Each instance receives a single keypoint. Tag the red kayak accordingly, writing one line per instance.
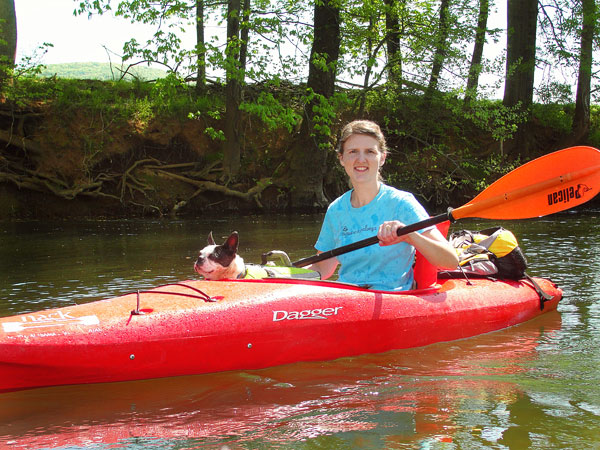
(210, 326)
(199, 327)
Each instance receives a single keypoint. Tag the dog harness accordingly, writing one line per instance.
(257, 272)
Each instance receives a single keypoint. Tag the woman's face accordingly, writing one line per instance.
(361, 158)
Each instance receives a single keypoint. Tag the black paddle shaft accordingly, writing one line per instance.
(373, 240)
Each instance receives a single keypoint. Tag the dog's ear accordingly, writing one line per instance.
(211, 241)
(232, 242)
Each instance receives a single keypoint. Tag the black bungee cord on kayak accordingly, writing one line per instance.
(199, 295)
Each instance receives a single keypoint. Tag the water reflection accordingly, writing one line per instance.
(439, 391)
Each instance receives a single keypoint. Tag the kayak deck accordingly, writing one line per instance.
(210, 326)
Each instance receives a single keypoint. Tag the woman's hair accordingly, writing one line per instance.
(361, 127)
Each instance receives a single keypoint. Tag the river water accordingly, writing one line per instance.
(534, 385)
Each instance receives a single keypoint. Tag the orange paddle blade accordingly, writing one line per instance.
(546, 185)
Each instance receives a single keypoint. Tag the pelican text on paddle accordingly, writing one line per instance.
(307, 314)
(566, 194)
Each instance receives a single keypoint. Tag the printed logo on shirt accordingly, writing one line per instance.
(347, 232)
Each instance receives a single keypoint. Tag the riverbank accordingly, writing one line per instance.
(107, 149)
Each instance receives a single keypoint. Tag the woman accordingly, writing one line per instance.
(373, 207)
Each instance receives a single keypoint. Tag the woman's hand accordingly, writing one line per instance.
(388, 233)
(432, 245)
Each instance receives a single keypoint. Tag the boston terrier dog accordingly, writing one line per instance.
(218, 262)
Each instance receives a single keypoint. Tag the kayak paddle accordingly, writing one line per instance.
(546, 185)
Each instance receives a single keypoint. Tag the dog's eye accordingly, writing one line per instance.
(217, 253)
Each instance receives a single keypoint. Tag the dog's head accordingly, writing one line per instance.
(217, 262)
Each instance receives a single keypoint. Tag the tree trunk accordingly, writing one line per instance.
(370, 55)
(326, 44)
(244, 36)
(200, 48)
(392, 37)
(309, 151)
(581, 119)
(520, 65)
(440, 49)
(475, 67)
(231, 150)
(8, 39)
(520, 53)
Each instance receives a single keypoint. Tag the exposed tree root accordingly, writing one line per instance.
(21, 142)
(253, 194)
(126, 187)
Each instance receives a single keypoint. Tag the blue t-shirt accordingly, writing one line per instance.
(384, 268)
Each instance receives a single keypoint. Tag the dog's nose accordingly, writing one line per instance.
(199, 261)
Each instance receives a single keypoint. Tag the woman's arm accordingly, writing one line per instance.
(326, 267)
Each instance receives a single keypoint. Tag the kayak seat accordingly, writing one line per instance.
(425, 273)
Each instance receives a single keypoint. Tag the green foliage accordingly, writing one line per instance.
(556, 116)
(495, 118)
(166, 92)
(324, 113)
(215, 135)
(594, 138)
(271, 111)
(487, 171)
(280, 39)
(443, 176)
(142, 110)
(24, 88)
(271, 25)
(555, 92)
(120, 101)
(206, 111)
(135, 100)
